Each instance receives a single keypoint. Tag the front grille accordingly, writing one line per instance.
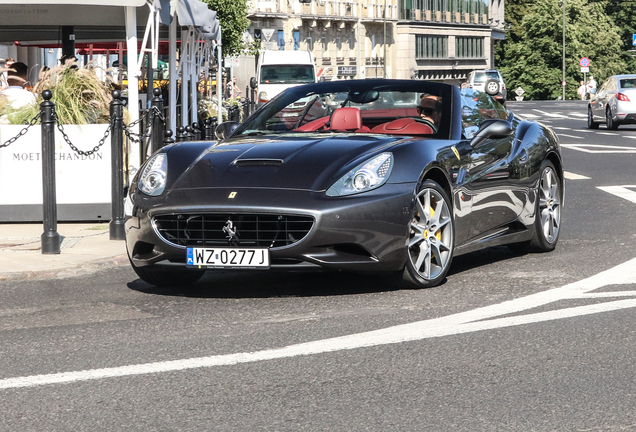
(257, 230)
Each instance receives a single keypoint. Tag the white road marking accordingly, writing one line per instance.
(608, 133)
(578, 114)
(555, 115)
(630, 136)
(571, 176)
(562, 128)
(570, 136)
(464, 322)
(595, 148)
(621, 191)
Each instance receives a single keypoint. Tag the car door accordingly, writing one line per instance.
(602, 96)
(487, 179)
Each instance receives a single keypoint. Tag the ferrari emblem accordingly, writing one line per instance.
(232, 195)
(232, 233)
(456, 152)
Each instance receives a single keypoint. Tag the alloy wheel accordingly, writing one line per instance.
(550, 205)
(431, 235)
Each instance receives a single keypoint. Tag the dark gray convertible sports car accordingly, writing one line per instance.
(385, 176)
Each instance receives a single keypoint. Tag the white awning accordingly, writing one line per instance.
(77, 2)
(191, 13)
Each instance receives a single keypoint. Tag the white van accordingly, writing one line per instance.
(278, 70)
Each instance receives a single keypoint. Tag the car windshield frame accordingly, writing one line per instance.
(351, 93)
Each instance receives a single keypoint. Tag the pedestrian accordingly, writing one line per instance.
(236, 91)
(581, 91)
(17, 95)
(591, 85)
(3, 75)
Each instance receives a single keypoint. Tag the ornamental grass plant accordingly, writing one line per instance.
(80, 96)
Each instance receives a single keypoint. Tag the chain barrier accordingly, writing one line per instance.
(33, 121)
(150, 114)
(132, 136)
(75, 149)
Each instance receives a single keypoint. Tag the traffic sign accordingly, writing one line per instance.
(585, 69)
(519, 91)
(584, 62)
(634, 39)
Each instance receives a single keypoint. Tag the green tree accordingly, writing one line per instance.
(534, 61)
(232, 16)
(623, 12)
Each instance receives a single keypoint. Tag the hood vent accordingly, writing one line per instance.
(258, 162)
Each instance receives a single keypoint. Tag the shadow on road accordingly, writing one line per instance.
(254, 284)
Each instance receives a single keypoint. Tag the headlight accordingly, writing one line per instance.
(365, 177)
(153, 178)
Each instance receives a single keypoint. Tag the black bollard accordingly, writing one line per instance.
(50, 237)
(167, 138)
(202, 128)
(196, 131)
(189, 133)
(158, 125)
(246, 103)
(209, 131)
(117, 223)
(252, 100)
(181, 134)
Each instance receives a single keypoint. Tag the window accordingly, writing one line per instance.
(281, 40)
(469, 47)
(431, 46)
(296, 36)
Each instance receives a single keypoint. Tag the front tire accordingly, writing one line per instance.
(162, 277)
(547, 224)
(591, 124)
(431, 238)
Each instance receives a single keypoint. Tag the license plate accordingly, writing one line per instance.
(230, 257)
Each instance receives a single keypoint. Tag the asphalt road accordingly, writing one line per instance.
(541, 342)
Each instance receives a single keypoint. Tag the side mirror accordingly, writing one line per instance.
(225, 130)
(492, 129)
(253, 83)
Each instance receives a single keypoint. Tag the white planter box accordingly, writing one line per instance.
(80, 180)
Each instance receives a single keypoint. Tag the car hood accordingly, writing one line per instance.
(299, 162)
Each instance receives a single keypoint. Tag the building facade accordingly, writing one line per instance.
(439, 40)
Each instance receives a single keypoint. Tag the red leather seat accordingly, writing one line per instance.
(403, 126)
(347, 119)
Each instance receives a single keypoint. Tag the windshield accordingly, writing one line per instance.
(287, 74)
(352, 106)
(482, 77)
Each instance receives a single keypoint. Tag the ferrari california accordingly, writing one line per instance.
(388, 176)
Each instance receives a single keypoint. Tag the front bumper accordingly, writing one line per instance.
(365, 232)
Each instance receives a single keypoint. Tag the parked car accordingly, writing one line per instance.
(489, 81)
(614, 103)
(363, 185)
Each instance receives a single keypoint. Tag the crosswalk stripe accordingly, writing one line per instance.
(621, 191)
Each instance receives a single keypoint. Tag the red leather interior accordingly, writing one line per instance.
(403, 126)
(313, 125)
(346, 119)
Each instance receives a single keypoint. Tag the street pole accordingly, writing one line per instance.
(563, 81)
(384, 38)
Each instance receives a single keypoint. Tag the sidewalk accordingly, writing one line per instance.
(85, 248)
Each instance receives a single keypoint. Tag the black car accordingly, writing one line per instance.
(347, 175)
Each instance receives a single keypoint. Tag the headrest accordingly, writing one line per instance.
(346, 119)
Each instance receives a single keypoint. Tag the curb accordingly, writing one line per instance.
(62, 273)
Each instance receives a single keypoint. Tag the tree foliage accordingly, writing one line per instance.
(532, 57)
(232, 15)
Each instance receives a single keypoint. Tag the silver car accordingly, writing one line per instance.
(614, 103)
